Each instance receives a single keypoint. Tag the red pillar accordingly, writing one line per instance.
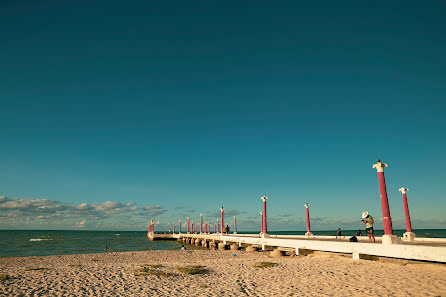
(218, 226)
(387, 220)
(205, 227)
(265, 229)
(173, 227)
(403, 190)
(221, 217)
(188, 223)
(179, 226)
(192, 226)
(308, 217)
(214, 228)
(201, 223)
(235, 225)
(261, 222)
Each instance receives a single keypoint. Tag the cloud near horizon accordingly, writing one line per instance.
(36, 212)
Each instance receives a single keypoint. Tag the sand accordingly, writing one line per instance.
(113, 274)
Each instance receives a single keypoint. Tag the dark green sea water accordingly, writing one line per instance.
(17, 243)
(44, 243)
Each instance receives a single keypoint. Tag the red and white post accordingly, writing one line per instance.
(307, 212)
(388, 237)
(409, 235)
(235, 225)
(179, 226)
(265, 229)
(261, 222)
(221, 217)
(201, 223)
(188, 223)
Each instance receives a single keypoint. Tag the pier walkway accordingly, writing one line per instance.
(425, 249)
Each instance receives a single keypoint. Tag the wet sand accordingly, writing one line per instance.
(121, 274)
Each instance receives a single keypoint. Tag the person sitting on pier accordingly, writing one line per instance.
(368, 221)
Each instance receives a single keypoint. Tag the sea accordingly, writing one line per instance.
(21, 243)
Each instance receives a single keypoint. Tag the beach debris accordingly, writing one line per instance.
(162, 273)
(155, 273)
(192, 269)
(265, 264)
(152, 266)
(35, 268)
(152, 269)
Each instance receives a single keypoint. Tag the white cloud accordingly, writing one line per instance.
(107, 205)
(83, 207)
(34, 213)
(81, 223)
(148, 207)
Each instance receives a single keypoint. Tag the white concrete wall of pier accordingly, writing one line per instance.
(403, 251)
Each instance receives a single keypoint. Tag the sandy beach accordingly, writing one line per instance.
(155, 273)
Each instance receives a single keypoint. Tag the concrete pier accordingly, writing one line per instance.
(389, 245)
(425, 249)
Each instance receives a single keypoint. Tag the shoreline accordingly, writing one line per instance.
(119, 273)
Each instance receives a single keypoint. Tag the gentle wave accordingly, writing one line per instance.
(39, 239)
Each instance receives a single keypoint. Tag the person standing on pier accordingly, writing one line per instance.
(368, 221)
(227, 229)
(339, 233)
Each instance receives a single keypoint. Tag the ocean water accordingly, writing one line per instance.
(44, 243)
(19, 243)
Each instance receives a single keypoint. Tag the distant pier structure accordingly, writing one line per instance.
(407, 247)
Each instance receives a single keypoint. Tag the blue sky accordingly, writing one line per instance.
(115, 113)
